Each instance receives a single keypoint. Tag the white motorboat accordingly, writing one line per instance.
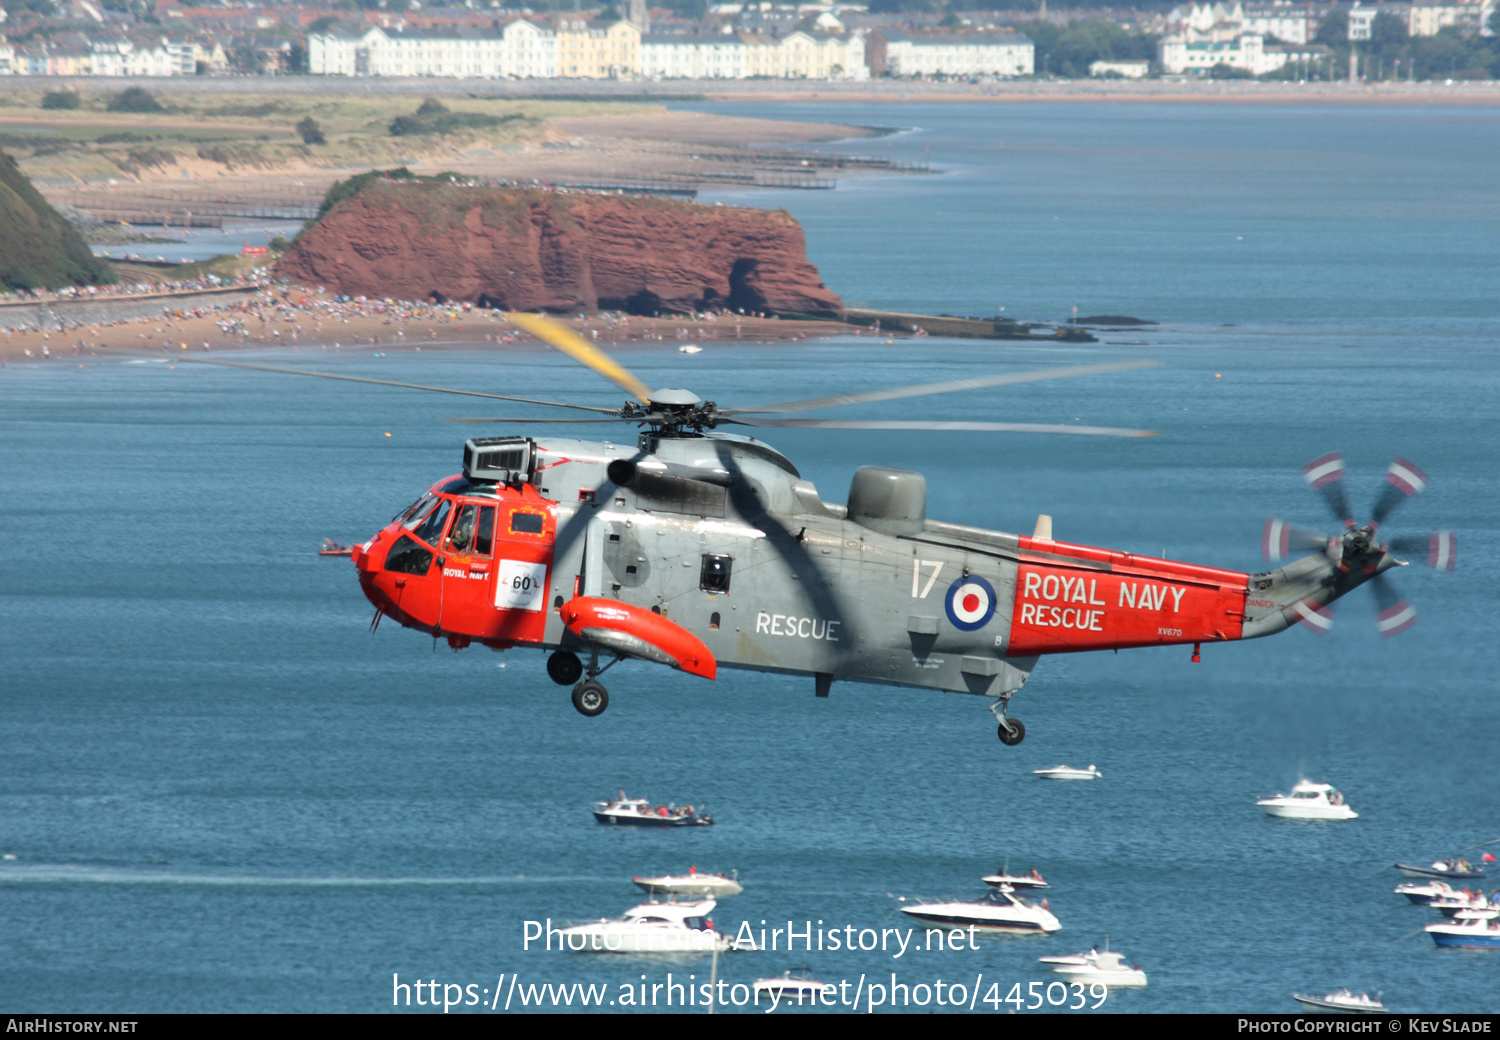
(690, 348)
(638, 812)
(1424, 892)
(1473, 933)
(1019, 882)
(691, 884)
(998, 910)
(651, 928)
(1345, 1001)
(1309, 801)
(1465, 903)
(1068, 773)
(1107, 968)
(789, 986)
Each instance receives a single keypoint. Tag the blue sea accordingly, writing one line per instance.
(222, 793)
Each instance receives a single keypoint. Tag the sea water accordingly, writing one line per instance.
(224, 793)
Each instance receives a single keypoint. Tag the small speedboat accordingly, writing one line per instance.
(998, 910)
(1068, 773)
(1449, 869)
(691, 884)
(638, 812)
(1473, 933)
(690, 348)
(1346, 1001)
(1309, 801)
(332, 548)
(1462, 901)
(1019, 882)
(789, 986)
(1424, 892)
(651, 928)
(1093, 968)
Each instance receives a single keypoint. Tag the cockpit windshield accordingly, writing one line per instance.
(414, 510)
(430, 527)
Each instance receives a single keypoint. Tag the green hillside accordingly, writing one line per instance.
(38, 248)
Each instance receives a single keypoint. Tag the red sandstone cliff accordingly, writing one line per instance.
(540, 250)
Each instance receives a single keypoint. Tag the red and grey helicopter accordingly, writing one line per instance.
(695, 548)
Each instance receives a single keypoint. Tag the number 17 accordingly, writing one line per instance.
(916, 577)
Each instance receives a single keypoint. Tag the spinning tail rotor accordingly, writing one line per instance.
(1356, 545)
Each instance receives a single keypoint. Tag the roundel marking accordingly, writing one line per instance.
(970, 603)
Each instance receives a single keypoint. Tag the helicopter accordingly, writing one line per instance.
(697, 548)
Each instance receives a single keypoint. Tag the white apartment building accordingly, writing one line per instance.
(522, 50)
(1291, 23)
(976, 55)
(1247, 52)
(1430, 16)
(724, 56)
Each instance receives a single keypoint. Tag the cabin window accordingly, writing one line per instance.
(407, 557)
(713, 620)
(526, 523)
(414, 510)
(431, 527)
(715, 575)
(461, 538)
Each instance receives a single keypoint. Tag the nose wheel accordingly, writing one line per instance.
(1012, 731)
(590, 698)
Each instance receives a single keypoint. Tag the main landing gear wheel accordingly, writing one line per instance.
(1012, 731)
(564, 668)
(590, 698)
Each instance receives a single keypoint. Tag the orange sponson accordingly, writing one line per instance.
(1076, 597)
(611, 616)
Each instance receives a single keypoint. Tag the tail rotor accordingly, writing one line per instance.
(1282, 539)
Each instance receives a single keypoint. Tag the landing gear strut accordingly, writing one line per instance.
(590, 698)
(1012, 731)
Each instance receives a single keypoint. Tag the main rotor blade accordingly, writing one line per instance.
(1402, 481)
(956, 427)
(1396, 615)
(391, 382)
(924, 389)
(1441, 548)
(1281, 537)
(535, 420)
(1326, 474)
(556, 334)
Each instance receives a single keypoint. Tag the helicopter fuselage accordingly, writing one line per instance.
(722, 539)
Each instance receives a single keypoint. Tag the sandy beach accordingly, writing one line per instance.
(300, 322)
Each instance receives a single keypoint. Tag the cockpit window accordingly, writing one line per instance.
(431, 526)
(461, 538)
(414, 510)
(484, 534)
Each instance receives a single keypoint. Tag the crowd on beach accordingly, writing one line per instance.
(284, 314)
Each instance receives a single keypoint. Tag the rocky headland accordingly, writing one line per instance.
(533, 249)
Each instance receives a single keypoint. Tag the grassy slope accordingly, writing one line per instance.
(38, 248)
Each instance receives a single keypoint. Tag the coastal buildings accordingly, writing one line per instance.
(717, 56)
(521, 50)
(973, 54)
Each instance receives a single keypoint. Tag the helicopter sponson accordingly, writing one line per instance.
(701, 550)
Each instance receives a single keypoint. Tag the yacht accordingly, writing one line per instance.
(1309, 801)
(638, 812)
(1345, 1001)
(1068, 773)
(998, 910)
(1449, 869)
(789, 986)
(651, 928)
(1475, 933)
(1425, 892)
(691, 884)
(1094, 968)
(1019, 882)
